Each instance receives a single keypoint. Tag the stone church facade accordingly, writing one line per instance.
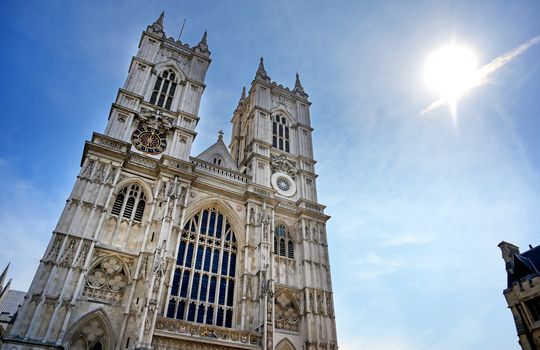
(158, 249)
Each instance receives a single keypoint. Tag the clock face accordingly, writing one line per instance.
(149, 140)
(283, 184)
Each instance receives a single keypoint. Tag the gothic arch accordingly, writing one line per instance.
(285, 344)
(89, 331)
(207, 202)
(204, 286)
(174, 66)
(281, 110)
(144, 186)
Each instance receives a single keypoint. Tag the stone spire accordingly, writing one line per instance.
(243, 96)
(157, 26)
(202, 46)
(5, 290)
(298, 89)
(261, 72)
(204, 37)
(3, 276)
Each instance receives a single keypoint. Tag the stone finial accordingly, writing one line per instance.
(298, 89)
(243, 96)
(204, 37)
(261, 72)
(202, 46)
(220, 135)
(157, 26)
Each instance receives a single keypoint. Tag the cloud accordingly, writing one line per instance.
(27, 219)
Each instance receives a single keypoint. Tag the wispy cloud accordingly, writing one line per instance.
(27, 219)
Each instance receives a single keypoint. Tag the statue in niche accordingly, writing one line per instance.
(252, 216)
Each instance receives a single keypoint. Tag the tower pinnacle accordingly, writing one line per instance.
(298, 89)
(243, 96)
(3, 276)
(261, 72)
(202, 46)
(157, 26)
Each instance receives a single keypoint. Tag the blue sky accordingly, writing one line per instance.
(418, 203)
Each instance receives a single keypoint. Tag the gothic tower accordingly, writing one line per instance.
(158, 249)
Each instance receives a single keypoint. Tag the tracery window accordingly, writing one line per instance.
(164, 89)
(280, 133)
(203, 285)
(107, 280)
(130, 203)
(283, 243)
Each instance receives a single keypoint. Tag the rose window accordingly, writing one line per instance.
(283, 184)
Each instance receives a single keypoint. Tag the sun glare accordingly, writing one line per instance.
(451, 71)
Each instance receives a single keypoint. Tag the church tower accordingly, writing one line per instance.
(159, 249)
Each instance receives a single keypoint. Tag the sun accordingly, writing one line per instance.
(450, 72)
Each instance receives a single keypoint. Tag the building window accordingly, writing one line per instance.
(217, 160)
(534, 308)
(280, 133)
(283, 243)
(205, 273)
(130, 203)
(164, 89)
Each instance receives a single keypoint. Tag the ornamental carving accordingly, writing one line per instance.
(287, 316)
(107, 280)
(155, 119)
(280, 163)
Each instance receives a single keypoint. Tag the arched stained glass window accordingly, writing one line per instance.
(204, 277)
(164, 89)
(280, 133)
(283, 242)
(129, 203)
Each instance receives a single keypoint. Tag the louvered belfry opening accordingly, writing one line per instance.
(130, 203)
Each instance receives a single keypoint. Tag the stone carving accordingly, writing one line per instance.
(107, 280)
(281, 163)
(142, 161)
(252, 216)
(287, 316)
(82, 255)
(312, 302)
(69, 253)
(155, 119)
(99, 175)
(320, 303)
(111, 176)
(87, 171)
(53, 253)
(329, 308)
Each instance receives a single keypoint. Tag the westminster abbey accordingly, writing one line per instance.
(157, 248)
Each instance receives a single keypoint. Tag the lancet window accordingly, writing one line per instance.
(129, 203)
(280, 133)
(204, 278)
(283, 243)
(164, 89)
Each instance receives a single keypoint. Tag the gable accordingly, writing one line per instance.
(219, 155)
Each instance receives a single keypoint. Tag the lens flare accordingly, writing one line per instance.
(451, 71)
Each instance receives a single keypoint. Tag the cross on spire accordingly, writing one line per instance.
(220, 135)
